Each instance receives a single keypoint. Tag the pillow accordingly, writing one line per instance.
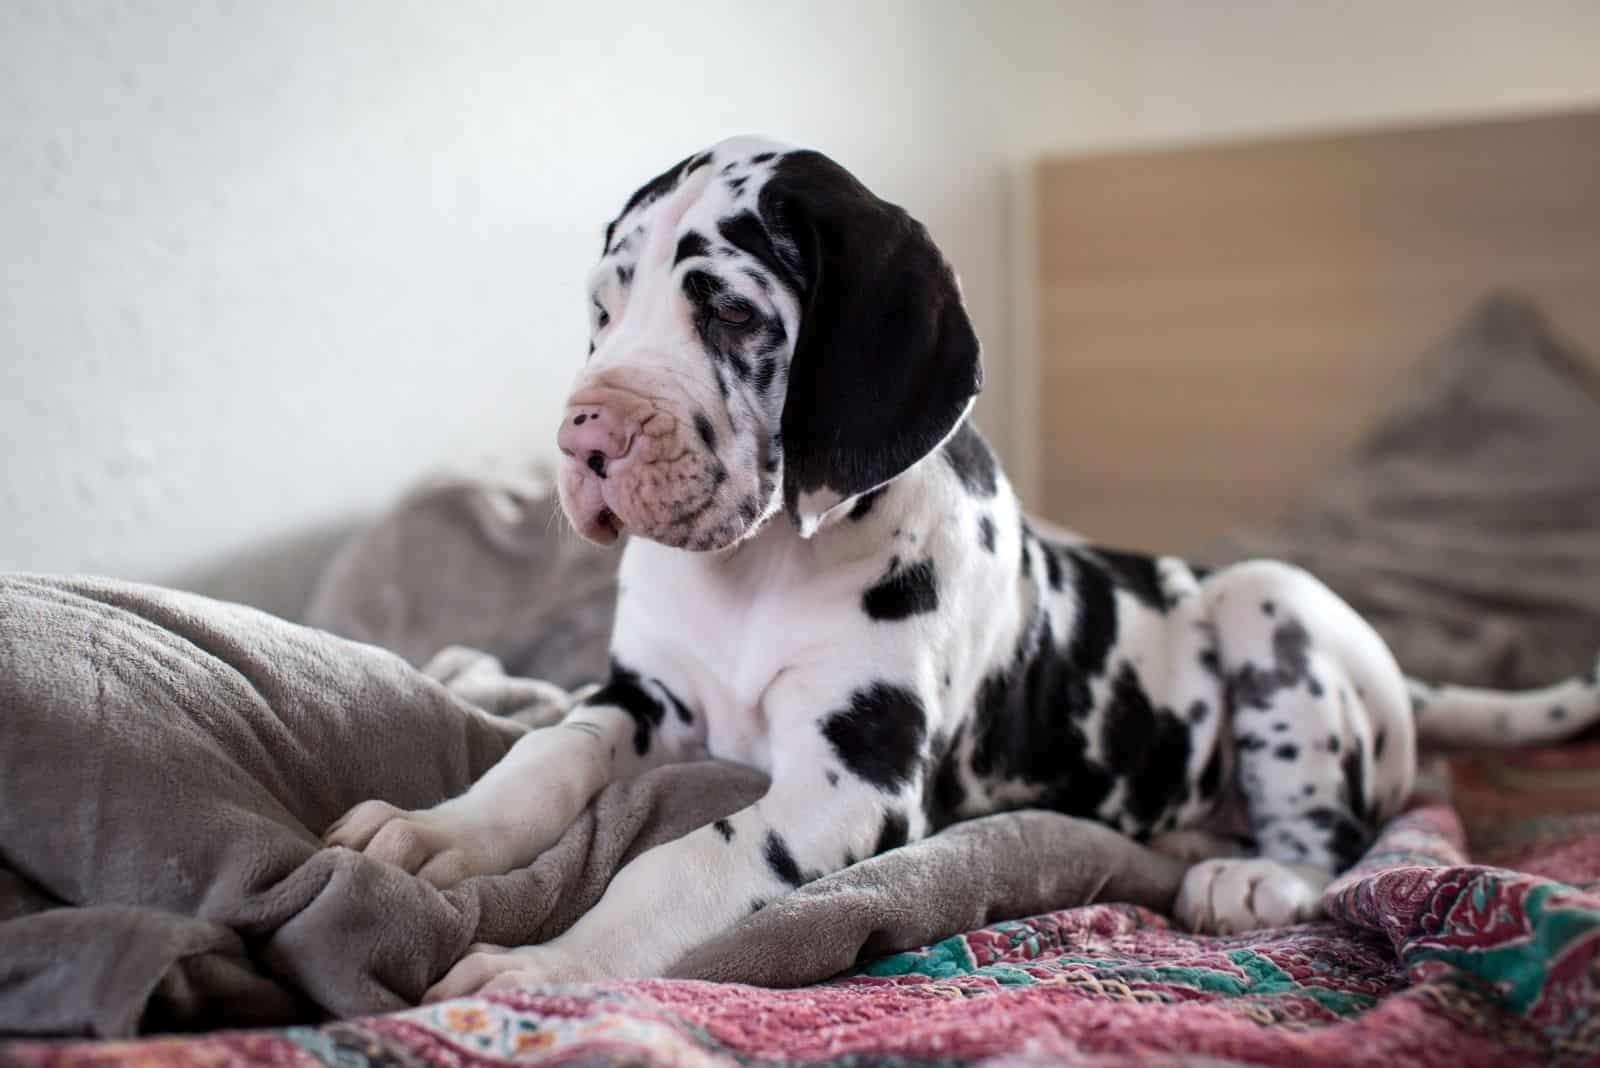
(1466, 525)
(481, 562)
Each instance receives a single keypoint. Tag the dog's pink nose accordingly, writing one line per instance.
(593, 435)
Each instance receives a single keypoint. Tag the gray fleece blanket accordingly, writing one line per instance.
(167, 763)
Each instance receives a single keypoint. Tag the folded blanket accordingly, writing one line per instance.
(1425, 961)
(168, 762)
(485, 562)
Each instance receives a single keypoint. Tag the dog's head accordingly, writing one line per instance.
(766, 334)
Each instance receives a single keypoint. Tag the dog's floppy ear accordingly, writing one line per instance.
(886, 363)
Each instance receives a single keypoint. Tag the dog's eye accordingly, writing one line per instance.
(734, 314)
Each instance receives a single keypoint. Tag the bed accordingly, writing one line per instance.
(1288, 347)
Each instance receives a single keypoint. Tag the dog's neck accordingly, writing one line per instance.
(859, 530)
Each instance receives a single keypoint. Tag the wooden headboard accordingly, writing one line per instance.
(1215, 324)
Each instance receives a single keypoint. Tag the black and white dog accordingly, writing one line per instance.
(829, 578)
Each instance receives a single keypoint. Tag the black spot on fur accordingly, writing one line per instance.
(745, 231)
(1096, 629)
(945, 799)
(736, 185)
(1280, 726)
(1333, 743)
(893, 834)
(986, 533)
(1287, 751)
(1558, 713)
(1293, 844)
(724, 828)
(879, 736)
(1314, 685)
(702, 288)
(1378, 744)
(762, 157)
(1268, 608)
(766, 372)
(1026, 724)
(1052, 565)
(1148, 746)
(902, 592)
(832, 777)
(1346, 837)
(1254, 687)
(1211, 777)
(1355, 793)
(863, 506)
(757, 905)
(624, 274)
(707, 432)
(682, 710)
(780, 860)
(1250, 743)
(1198, 711)
(970, 458)
(690, 247)
(1025, 553)
(1132, 572)
(624, 690)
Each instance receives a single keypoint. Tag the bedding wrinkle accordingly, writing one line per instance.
(166, 759)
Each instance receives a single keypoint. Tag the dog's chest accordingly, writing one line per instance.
(720, 636)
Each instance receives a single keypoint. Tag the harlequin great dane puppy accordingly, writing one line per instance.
(827, 577)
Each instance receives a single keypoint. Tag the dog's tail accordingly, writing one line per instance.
(1459, 717)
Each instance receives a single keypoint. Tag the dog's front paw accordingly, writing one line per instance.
(1235, 895)
(488, 968)
(429, 844)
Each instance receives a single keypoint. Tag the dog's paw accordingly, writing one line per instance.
(1236, 895)
(486, 969)
(427, 844)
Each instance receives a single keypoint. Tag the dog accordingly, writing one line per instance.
(828, 577)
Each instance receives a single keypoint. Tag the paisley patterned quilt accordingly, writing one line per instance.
(1424, 959)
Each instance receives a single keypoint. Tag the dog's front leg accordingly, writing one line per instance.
(528, 800)
(818, 817)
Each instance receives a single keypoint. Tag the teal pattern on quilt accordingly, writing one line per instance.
(1262, 978)
(1517, 968)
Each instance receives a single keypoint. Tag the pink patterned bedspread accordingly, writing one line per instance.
(1425, 960)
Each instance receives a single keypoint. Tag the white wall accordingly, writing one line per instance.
(1089, 75)
(264, 264)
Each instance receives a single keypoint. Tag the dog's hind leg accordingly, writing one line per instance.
(1300, 773)
(1300, 669)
